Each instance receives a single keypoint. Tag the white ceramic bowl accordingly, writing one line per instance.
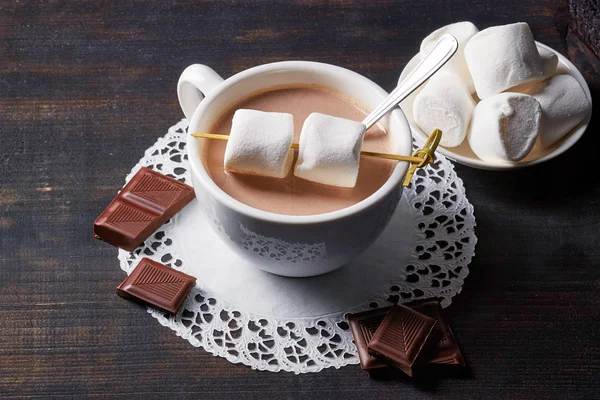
(464, 155)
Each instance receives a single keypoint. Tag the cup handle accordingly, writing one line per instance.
(194, 84)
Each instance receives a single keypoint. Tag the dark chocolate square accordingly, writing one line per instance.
(157, 285)
(363, 326)
(147, 201)
(401, 336)
(445, 350)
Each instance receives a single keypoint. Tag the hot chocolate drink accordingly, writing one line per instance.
(292, 195)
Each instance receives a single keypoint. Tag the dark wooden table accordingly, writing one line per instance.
(86, 87)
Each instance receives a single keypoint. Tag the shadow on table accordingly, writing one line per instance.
(424, 379)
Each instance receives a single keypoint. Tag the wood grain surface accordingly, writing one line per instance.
(86, 87)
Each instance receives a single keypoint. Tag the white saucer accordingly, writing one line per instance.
(274, 323)
(464, 155)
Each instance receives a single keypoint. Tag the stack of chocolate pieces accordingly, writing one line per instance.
(147, 201)
(406, 337)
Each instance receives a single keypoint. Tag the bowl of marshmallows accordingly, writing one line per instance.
(503, 101)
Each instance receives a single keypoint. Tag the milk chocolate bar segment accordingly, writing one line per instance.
(363, 326)
(401, 336)
(147, 201)
(157, 285)
(445, 350)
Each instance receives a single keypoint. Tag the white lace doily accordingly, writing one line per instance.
(274, 323)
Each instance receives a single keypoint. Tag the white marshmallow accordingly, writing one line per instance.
(549, 66)
(462, 31)
(564, 105)
(502, 57)
(330, 150)
(549, 62)
(505, 127)
(260, 143)
(444, 103)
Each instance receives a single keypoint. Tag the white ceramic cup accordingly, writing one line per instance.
(288, 245)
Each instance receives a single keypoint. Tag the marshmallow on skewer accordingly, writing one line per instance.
(564, 105)
(330, 150)
(444, 103)
(502, 57)
(462, 31)
(505, 127)
(259, 143)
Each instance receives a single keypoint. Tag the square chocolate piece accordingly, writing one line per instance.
(445, 350)
(147, 201)
(157, 285)
(363, 326)
(401, 336)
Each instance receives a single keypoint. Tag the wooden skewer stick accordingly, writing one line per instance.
(387, 156)
(419, 159)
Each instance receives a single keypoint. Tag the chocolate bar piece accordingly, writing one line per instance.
(445, 350)
(147, 201)
(363, 326)
(401, 336)
(157, 285)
